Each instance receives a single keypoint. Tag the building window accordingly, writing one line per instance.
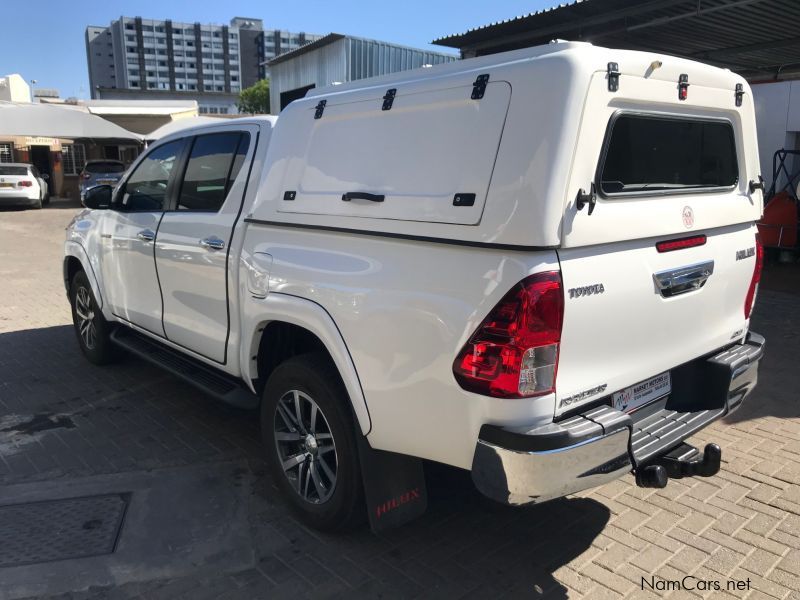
(129, 26)
(6, 153)
(177, 31)
(134, 84)
(131, 49)
(73, 158)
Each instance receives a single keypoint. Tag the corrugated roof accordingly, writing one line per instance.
(760, 39)
(319, 43)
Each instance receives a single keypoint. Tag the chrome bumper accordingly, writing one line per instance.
(519, 465)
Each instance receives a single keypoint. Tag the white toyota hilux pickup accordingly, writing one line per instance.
(538, 266)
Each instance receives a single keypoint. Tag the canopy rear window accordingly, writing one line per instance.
(105, 167)
(649, 154)
(7, 170)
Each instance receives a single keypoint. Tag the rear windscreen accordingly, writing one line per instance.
(104, 167)
(6, 170)
(658, 154)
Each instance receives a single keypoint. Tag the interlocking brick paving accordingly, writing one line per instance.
(62, 418)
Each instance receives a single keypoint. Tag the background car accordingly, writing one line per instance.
(100, 172)
(22, 185)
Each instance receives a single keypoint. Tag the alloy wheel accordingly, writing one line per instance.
(305, 446)
(85, 312)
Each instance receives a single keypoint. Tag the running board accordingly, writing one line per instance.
(220, 385)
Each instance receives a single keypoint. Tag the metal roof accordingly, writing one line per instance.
(759, 39)
(319, 43)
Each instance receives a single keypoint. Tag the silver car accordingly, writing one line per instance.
(100, 172)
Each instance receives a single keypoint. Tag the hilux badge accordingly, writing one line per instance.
(688, 217)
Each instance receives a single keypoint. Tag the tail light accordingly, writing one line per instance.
(750, 299)
(25, 183)
(514, 351)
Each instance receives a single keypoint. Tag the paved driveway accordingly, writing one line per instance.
(185, 504)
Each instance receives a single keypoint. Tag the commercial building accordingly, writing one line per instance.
(755, 38)
(337, 58)
(14, 88)
(135, 59)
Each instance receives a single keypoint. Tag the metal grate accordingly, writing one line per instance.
(38, 532)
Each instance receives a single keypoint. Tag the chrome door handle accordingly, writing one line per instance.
(683, 279)
(212, 243)
(146, 235)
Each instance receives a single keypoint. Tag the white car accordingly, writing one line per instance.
(21, 184)
(538, 266)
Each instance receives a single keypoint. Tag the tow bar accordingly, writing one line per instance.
(682, 461)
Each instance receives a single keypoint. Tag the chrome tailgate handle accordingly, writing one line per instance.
(683, 279)
(212, 243)
(146, 235)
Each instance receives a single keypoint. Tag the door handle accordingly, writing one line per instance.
(212, 243)
(347, 196)
(146, 235)
(683, 279)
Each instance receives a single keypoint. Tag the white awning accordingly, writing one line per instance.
(55, 121)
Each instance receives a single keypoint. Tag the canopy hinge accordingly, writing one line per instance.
(320, 109)
(582, 199)
(479, 87)
(739, 93)
(613, 76)
(388, 99)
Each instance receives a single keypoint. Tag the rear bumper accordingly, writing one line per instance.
(18, 201)
(527, 466)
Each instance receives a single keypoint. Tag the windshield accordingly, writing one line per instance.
(105, 167)
(652, 153)
(6, 170)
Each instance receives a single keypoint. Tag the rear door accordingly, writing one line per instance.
(665, 170)
(194, 240)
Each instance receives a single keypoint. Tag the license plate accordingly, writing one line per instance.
(6, 185)
(642, 393)
(107, 181)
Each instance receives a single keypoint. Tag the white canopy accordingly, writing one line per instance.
(57, 121)
(180, 124)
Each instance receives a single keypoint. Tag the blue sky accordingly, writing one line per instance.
(44, 39)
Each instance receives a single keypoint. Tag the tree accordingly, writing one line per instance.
(255, 99)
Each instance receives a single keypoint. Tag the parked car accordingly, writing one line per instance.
(100, 172)
(21, 184)
(538, 266)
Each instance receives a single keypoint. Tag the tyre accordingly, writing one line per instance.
(91, 328)
(37, 204)
(46, 199)
(309, 437)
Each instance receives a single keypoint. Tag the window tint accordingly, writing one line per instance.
(5, 170)
(104, 167)
(657, 154)
(146, 188)
(213, 164)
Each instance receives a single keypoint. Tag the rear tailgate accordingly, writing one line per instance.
(620, 327)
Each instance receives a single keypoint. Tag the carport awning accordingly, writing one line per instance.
(47, 120)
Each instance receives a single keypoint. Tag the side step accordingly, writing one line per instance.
(220, 385)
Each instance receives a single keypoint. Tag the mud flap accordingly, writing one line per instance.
(394, 487)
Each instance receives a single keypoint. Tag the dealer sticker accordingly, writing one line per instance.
(638, 395)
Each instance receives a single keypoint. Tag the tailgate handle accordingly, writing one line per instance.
(683, 279)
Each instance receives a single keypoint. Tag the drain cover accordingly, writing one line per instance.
(39, 532)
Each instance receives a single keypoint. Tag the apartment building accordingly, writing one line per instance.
(146, 59)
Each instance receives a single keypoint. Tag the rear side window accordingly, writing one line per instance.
(105, 167)
(652, 154)
(6, 170)
(213, 164)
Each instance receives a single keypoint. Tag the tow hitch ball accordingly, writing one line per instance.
(682, 461)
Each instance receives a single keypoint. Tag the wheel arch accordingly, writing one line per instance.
(281, 314)
(75, 260)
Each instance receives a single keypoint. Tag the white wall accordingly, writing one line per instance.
(777, 107)
(13, 88)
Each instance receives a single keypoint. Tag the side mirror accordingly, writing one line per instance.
(98, 197)
(45, 176)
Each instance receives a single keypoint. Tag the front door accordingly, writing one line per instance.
(193, 248)
(129, 234)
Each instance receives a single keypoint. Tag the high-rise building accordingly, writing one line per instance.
(136, 58)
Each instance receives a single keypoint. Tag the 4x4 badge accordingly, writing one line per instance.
(688, 217)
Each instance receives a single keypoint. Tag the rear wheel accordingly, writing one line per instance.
(309, 438)
(37, 204)
(91, 328)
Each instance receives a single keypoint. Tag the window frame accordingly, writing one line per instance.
(672, 192)
(244, 134)
(169, 193)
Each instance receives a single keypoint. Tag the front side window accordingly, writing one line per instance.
(655, 154)
(213, 164)
(146, 188)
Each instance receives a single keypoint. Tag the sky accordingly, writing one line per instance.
(44, 39)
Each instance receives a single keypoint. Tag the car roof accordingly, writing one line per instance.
(96, 160)
(15, 164)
